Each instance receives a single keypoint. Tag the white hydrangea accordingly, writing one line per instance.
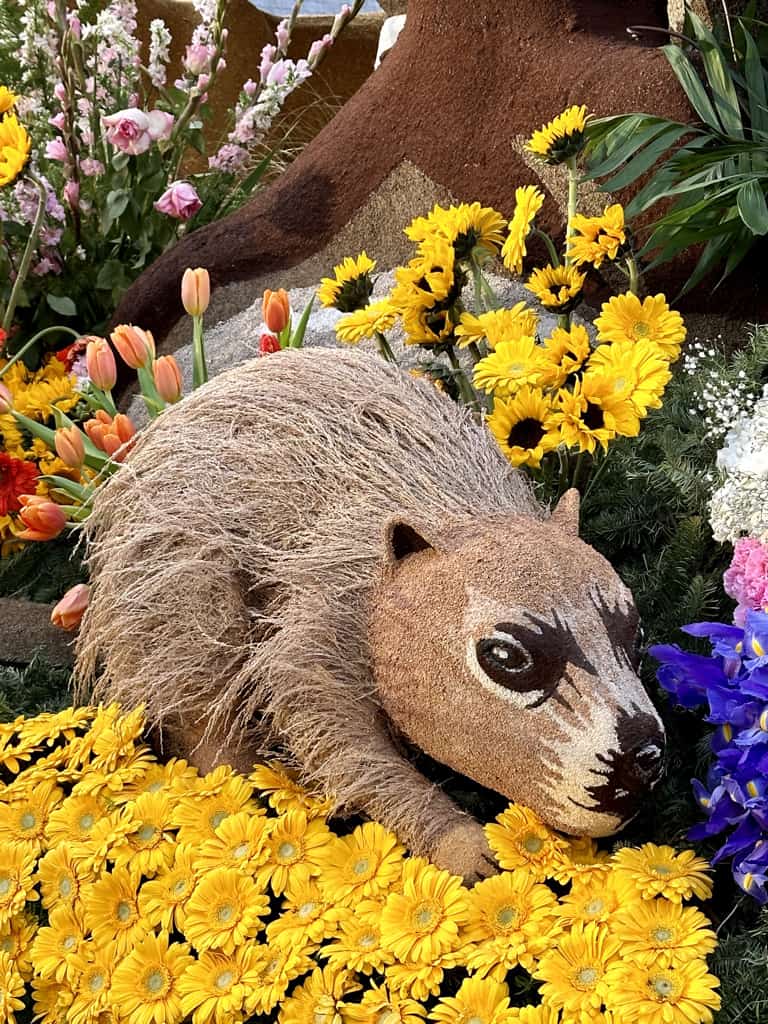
(740, 505)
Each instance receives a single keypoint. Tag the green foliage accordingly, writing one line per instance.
(36, 687)
(711, 176)
(42, 572)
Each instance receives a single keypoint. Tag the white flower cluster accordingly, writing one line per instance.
(159, 52)
(721, 399)
(740, 505)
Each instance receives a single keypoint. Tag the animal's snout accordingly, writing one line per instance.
(646, 761)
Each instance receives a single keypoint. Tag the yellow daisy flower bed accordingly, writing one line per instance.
(135, 892)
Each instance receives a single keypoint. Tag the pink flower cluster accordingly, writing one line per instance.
(746, 579)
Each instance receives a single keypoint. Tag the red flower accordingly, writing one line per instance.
(3, 337)
(268, 343)
(17, 477)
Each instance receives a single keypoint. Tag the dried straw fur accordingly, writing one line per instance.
(233, 557)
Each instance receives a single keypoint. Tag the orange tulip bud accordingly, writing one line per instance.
(136, 347)
(100, 363)
(44, 519)
(110, 435)
(167, 378)
(6, 400)
(195, 291)
(70, 609)
(276, 310)
(70, 446)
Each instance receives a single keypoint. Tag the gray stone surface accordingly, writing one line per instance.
(26, 630)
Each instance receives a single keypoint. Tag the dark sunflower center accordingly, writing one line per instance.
(593, 418)
(526, 433)
(354, 294)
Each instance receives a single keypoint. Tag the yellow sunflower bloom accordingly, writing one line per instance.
(657, 933)
(12, 989)
(626, 318)
(284, 793)
(270, 973)
(319, 998)
(294, 847)
(565, 353)
(660, 871)
(212, 989)
(596, 239)
(379, 1005)
(521, 840)
(528, 202)
(225, 908)
(428, 279)
(637, 370)
(558, 289)
(163, 900)
(367, 322)
(56, 947)
(524, 427)
(17, 865)
(422, 923)
(308, 918)
(358, 945)
(562, 138)
(479, 1000)
(351, 286)
(511, 365)
(655, 995)
(593, 414)
(366, 863)
(145, 984)
(466, 227)
(112, 910)
(497, 325)
(15, 145)
(7, 99)
(574, 973)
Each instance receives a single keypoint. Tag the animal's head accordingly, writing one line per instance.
(505, 650)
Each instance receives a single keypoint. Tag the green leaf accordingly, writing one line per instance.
(111, 275)
(645, 159)
(753, 210)
(297, 339)
(61, 304)
(622, 142)
(691, 83)
(117, 202)
(755, 84)
(719, 77)
(120, 161)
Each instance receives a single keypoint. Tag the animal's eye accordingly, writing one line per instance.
(505, 660)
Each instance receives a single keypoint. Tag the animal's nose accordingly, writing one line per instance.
(644, 762)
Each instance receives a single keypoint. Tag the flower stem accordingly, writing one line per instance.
(26, 259)
(384, 348)
(553, 255)
(28, 344)
(474, 351)
(634, 275)
(466, 390)
(573, 197)
(199, 368)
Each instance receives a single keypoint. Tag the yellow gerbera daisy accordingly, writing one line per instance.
(574, 973)
(592, 414)
(597, 238)
(16, 940)
(558, 289)
(12, 989)
(380, 1006)
(56, 947)
(198, 817)
(657, 933)
(528, 202)
(418, 981)
(309, 916)
(93, 853)
(61, 878)
(366, 863)
(422, 923)
(589, 901)
(174, 777)
(49, 1000)
(7, 99)
(15, 145)
(358, 945)
(367, 322)
(17, 865)
(626, 318)
(524, 427)
(295, 845)
(521, 840)
(145, 985)
(510, 921)
(511, 365)
(660, 871)
(91, 990)
(24, 820)
(565, 353)
(270, 973)
(225, 909)
(284, 793)
(163, 900)
(217, 781)
(466, 227)
(73, 820)
(112, 909)
(479, 1001)
(584, 862)
(46, 728)
(212, 989)
(540, 1014)
(637, 370)
(351, 286)
(240, 843)
(497, 325)
(149, 846)
(654, 995)
(320, 999)
(562, 138)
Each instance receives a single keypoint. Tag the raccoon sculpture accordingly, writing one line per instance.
(319, 555)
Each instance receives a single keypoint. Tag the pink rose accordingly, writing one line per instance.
(56, 150)
(179, 200)
(133, 131)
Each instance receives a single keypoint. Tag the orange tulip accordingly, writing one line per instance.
(70, 446)
(167, 378)
(136, 347)
(276, 310)
(6, 400)
(110, 435)
(195, 291)
(70, 609)
(101, 365)
(43, 518)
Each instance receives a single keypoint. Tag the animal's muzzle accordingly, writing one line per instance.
(630, 771)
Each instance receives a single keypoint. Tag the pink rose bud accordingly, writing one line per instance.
(6, 400)
(70, 446)
(72, 194)
(60, 92)
(100, 363)
(71, 608)
(203, 82)
(180, 200)
(167, 378)
(136, 347)
(195, 291)
(250, 88)
(56, 150)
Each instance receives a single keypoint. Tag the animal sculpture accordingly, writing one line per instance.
(319, 555)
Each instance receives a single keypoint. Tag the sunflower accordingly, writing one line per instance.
(626, 318)
(430, 325)
(367, 322)
(589, 901)
(17, 865)
(271, 971)
(574, 972)
(660, 871)
(366, 863)
(497, 325)
(240, 843)
(524, 427)
(225, 908)
(511, 365)
(295, 846)
(112, 910)
(73, 820)
(61, 878)
(17, 477)
(308, 917)
(427, 293)
(91, 990)
(319, 1000)
(565, 353)
(510, 921)
(12, 989)
(597, 238)
(466, 227)
(560, 139)
(558, 289)
(478, 1000)
(655, 995)
(657, 933)
(163, 900)
(284, 793)
(637, 370)
(16, 940)
(212, 989)
(351, 286)
(358, 945)
(422, 922)
(15, 145)
(592, 414)
(57, 946)
(145, 984)
(528, 202)
(7, 99)
(521, 840)
(24, 820)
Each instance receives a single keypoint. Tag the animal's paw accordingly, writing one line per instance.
(464, 850)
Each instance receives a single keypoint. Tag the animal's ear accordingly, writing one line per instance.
(402, 539)
(565, 514)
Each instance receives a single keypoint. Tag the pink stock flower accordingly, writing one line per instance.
(267, 59)
(56, 150)
(91, 168)
(58, 121)
(250, 88)
(133, 131)
(278, 72)
(746, 579)
(60, 92)
(72, 194)
(283, 35)
(229, 159)
(179, 200)
(198, 58)
(203, 82)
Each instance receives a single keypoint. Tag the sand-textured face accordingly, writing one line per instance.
(505, 651)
